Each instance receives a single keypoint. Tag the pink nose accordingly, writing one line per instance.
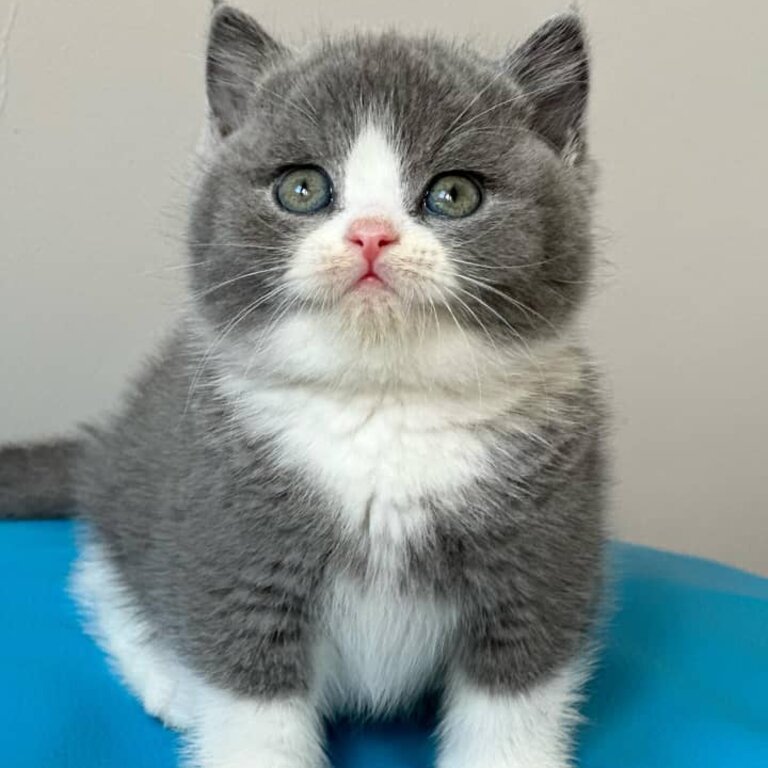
(371, 236)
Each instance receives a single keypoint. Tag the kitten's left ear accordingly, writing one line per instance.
(552, 67)
(239, 50)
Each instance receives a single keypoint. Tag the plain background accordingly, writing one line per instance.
(102, 105)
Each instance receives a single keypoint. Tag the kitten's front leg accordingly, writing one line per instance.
(234, 731)
(511, 729)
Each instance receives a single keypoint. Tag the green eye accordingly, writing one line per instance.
(453, 195)
(304, 190)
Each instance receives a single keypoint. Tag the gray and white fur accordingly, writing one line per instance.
(327, 495)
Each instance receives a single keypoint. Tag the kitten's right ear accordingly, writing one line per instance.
(239, 50)
(552, 67)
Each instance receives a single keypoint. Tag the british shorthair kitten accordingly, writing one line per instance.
(367, 464)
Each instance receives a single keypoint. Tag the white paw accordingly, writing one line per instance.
(235, 732)
(527, 729)
(170, 699)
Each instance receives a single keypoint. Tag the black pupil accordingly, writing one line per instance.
(448, 195)
(302, 188)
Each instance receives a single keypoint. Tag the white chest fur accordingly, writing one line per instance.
(376, 456)
(380, 648)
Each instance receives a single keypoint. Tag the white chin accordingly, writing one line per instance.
(373, 313)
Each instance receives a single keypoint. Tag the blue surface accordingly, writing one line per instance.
(683, 680)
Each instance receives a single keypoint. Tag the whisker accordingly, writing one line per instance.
(282, 309)
(505, 267)
(476, 318)
(244, 246)
(172, 268)
(470, 346)
(498, 222)
(238, 318)
(504, 320)
(437, 328)
(474, 101)
(284, 99)
(520, 305)
(237, 278)
(499, 105)
(522, 96)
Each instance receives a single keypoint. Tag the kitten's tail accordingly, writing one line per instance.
(36, 480)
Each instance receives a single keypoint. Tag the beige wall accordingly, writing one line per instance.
(103, 106)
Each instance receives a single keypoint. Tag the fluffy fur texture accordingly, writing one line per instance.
(167, 689)
(327, 493)
(512, 730)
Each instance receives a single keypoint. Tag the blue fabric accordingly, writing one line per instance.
(683, 680)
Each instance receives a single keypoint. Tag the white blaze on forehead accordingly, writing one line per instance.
(372, 184)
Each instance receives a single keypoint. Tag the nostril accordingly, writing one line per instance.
(371, 241)
(386, 240)
(371, 236)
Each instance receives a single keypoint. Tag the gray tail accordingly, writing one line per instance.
(36, 480)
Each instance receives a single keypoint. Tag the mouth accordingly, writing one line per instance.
(370, 279)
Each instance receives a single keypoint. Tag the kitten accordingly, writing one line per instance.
(368, 462)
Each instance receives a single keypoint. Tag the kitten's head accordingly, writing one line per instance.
(379, 190)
